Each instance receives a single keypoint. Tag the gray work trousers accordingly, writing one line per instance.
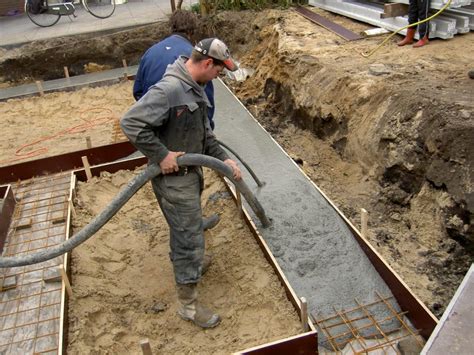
(180, 200)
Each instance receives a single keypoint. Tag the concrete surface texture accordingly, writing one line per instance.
(453, 335)
(19, 29)
(310, 241)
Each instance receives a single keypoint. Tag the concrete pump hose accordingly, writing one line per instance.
(123, 196)
(254, 176)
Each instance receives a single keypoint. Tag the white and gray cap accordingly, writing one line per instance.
(215, 48)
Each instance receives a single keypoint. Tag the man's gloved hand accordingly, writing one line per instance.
(169, 164)
(235, 168)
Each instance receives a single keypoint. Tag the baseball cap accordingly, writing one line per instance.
(215, 48)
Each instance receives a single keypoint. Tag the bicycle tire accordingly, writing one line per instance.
(42, 20)
(100, 8)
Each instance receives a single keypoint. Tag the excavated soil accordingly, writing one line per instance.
(392, 134)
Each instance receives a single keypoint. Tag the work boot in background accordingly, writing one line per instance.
(210, 222)
(409, 37)
(423, 41)
(190, 309)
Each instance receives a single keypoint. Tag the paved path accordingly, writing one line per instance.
(19, 29)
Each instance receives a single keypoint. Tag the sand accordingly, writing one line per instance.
(124, 285)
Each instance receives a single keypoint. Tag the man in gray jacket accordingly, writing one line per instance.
(169, 120)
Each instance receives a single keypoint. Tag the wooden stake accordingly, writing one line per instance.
(88, 142)
(73, 210)
(146, 348)
(39, 85)
(65, 280)
(364, 218)
(125, 73)
(87, 167)
(66, 72)
(239, 202)
(304, 314)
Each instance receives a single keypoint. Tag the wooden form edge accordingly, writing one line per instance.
(290, 292)
(62, 344)
(420, 316)
(6, 212)
(69, 87)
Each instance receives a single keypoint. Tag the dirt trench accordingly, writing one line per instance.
(391, 134)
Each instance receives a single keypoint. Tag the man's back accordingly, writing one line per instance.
(155, 61)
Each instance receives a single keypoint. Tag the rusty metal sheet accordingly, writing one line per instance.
(302, 344)
(64, 162)
(328, 24)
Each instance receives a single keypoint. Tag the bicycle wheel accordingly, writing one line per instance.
(42, 18)
(100, 8)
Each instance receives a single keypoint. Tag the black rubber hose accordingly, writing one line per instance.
(257, 180)
(123, 196)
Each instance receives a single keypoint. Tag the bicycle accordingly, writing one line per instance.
(44, 14)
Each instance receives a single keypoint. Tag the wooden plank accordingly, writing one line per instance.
(87, 167)
(394, 10)
(63, 318)
(6, 212)
(304, 314)
(328, 24)
(364, 218)
(145, 346)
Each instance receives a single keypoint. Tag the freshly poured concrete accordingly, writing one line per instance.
(312, 244)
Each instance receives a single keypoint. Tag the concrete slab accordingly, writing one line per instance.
(453, 335)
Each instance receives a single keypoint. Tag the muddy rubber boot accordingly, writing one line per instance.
(190, 309)
(421, 42)
(210, 222)
(206, 263)
(409, 37)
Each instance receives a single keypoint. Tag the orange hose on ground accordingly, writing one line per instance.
(107, 117)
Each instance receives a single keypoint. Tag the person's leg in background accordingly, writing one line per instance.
(423, 28)
(412, 18)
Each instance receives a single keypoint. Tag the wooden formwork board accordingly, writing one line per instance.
(6, 212)
(304, 343)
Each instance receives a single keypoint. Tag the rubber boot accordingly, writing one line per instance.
(210, 222)
(191, 310)
(421, 42)
(409, 37)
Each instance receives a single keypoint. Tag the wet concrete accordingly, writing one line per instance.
(310, 241)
